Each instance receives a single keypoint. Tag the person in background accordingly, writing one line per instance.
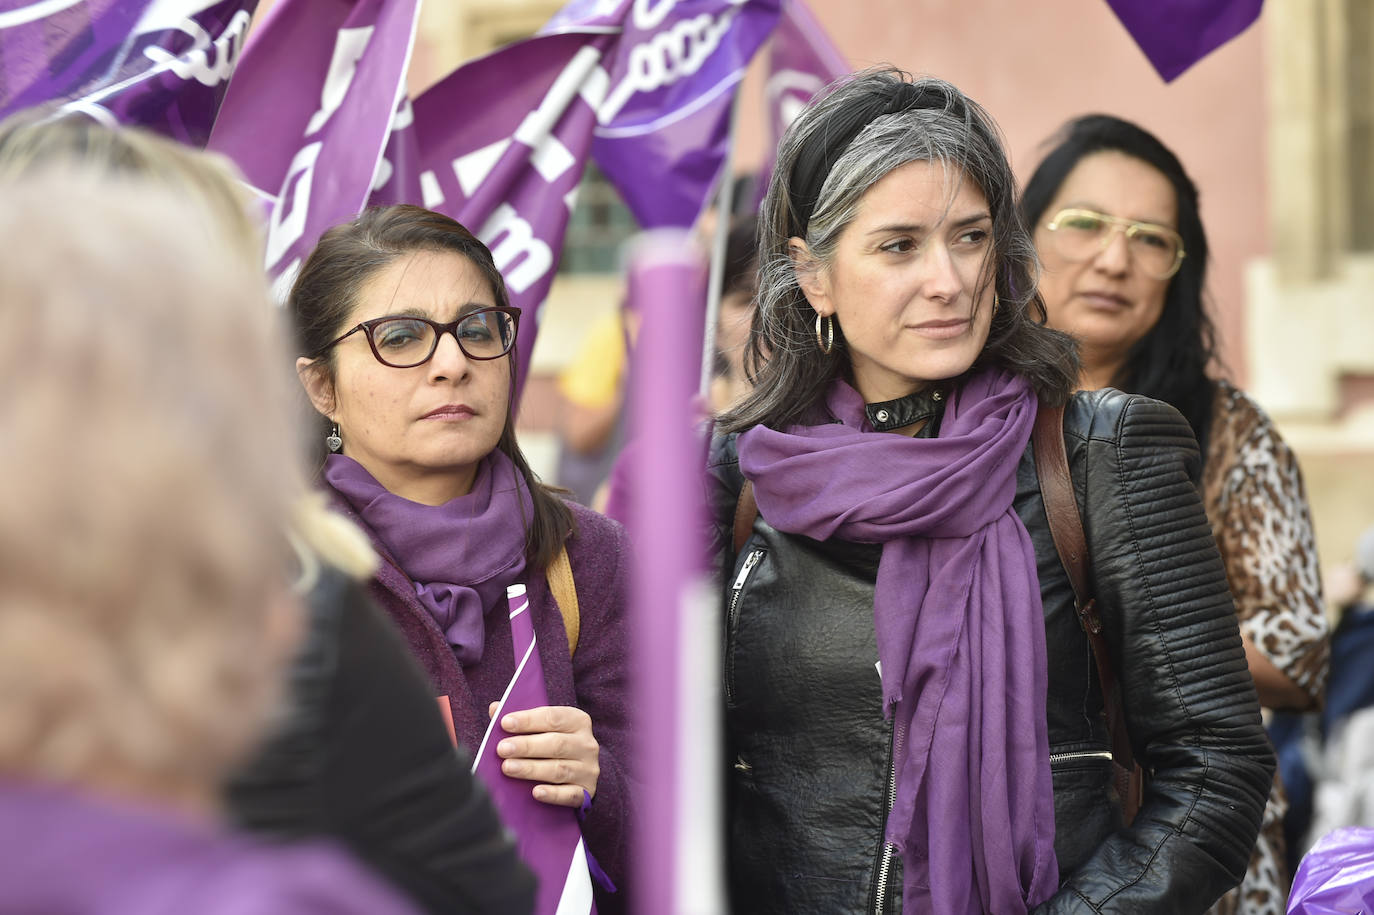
(406, 339)
(1118, 229)
(146, 611)
(359, 753)
(912, 720)
(592, 415)
(739, 282)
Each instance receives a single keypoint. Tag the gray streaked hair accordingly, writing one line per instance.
(833, 153)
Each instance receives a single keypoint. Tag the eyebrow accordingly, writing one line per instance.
(918, 228)
(463, 310)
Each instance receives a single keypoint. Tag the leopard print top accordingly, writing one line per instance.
(1255, 500)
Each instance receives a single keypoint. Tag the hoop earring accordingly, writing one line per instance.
(332, 440)
(826, 342)
(996, 304)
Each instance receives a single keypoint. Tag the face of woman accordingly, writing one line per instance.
(1107, 301)
(419, 431)
(904, 284)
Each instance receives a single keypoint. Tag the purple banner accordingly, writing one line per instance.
(163, 65)
(310, 112)
(663, 106)
(548, 837)
(1175, 34)
(801, 62)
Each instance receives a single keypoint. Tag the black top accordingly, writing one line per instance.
(363, 757)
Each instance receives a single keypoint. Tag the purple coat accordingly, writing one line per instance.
(79, 854)
(595, 680)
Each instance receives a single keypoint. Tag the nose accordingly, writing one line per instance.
(942, 279)
(449, 362)
(1115, 257)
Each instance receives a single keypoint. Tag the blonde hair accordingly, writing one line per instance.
(33, 141)
(146, 437)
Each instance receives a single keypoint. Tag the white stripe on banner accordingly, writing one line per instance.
(501, 708)
(577, 889)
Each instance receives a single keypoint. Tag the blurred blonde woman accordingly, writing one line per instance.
(359, 752)
(145, 608)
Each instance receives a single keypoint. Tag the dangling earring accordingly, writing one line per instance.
(825, 341)
(332, 440)
(996, 304)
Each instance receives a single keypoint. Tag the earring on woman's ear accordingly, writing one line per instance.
(825, 341)
(332, 440)
(996, 304)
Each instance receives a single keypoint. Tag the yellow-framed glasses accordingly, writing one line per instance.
(1080, 235)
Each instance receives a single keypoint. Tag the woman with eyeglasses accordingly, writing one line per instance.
(407, 343)
(913, 717)
(1118, 229)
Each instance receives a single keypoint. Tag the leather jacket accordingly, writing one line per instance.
(810, 755)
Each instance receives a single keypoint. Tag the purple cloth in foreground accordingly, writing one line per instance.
(1175, 34)
(959, 623)
(461, 555)
(79, 854)
(596, 680)
(1337, 875)
(549, 837)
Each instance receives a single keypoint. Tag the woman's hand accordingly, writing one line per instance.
(552, 745)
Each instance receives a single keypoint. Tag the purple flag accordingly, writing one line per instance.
(310, 112)
(159, 64)
(1175, 34)
(548, 837)
(501, 143)
(1337, 875)
(802, 61)
(663, 114)
(676, 621)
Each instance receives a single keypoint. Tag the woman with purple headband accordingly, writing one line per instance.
(913, 716)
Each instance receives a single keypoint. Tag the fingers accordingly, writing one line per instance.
(491, 709)
(561, 718)
(559, 795)
(554, 772)
(550, 746)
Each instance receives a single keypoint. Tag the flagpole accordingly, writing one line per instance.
(724, 198)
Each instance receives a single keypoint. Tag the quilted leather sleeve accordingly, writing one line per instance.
(1171, 626)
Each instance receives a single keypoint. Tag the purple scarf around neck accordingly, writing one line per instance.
(461, 555)
(960, 629)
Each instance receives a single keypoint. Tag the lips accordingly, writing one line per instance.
(451, 411)
(942, 330)
(1105, 300)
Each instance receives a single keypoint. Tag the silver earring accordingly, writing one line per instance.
(825, 341)
(332, 440)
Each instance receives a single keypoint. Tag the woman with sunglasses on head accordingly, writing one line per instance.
(913, 719)
(407, 343)
(1116, 223)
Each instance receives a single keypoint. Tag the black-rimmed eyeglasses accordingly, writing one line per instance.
(405, 341)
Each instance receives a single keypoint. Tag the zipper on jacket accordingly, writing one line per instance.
(1081, 754)
(889, 850)
(735, 591)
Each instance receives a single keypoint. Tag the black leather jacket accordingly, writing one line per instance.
(810, 752)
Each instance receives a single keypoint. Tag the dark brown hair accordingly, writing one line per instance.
(326, 292)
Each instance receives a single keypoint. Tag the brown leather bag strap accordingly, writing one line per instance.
(746, 510)
(564, 590)
(1066, 529)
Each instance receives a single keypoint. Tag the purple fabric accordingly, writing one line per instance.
(960, 629)
(65, 851)
(1336, 875)
(1175, 34)
(549, 838)
(462, 555)
(309, 113)
(595, 680)
(164, 66)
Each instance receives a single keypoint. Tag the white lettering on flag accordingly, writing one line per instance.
(472, 169)
(283, 232)
(196, 64)
(517, 238)
(430, 191)
(667, 57)
(348, 50)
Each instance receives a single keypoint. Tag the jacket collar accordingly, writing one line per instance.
(928, 405)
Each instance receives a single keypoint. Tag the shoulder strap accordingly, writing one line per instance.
(746, 510)
(560, 578)
(1066, 529)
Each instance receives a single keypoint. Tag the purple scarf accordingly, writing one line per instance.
(462, 554)
(960, 628)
